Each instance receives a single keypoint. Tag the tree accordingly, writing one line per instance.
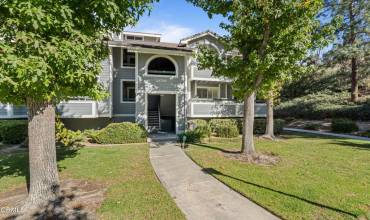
(269, 39)
(51, 51)
(351, 48)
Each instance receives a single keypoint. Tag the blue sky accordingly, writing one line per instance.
(176, 19)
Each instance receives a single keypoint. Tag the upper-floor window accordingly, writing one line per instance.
(133, 37)
(128, 58)
(161, 66)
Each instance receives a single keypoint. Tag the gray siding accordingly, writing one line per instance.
(104, 78)
(119, 74)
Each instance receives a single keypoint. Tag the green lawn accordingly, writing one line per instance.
(133, 192)
(317, 178)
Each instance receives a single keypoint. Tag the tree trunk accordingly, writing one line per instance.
(354, 80)
(269, 132)
(248, 124)
(44, 180)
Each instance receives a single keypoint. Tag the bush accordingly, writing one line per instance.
(192, 136)
(65, 136)
(312, 126)
(343, 125)
(324, 105)
(226, 128)
(90, 134)
(13, 131)
(260, 126)
(201, 126)
(121, 133)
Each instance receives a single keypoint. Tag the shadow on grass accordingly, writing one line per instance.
(346, 142)
(16, 164)
(216, 172)
(218, 148)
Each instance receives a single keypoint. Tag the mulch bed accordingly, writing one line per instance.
(79, 199)
(265, 158)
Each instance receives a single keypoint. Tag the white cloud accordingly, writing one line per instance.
(170, 32)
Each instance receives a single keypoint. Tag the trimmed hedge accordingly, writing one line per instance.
(13, 131)
(343, 125)
(226, 128)
(121, 133)
(260, 126)
(324, 105)
(192, 136)
(201, 126)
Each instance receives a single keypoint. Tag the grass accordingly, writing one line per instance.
(133, 191)
(317, 178)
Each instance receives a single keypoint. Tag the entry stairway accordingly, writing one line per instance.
(154, 123)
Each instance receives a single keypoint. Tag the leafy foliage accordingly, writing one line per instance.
(201, 126)
(121, 133)
(192, 136)
(343, 125)
(266, 40)
(260, 126)
(65, 136)
(226, 128)
(51, 50)
(324, 105)
(13, 131)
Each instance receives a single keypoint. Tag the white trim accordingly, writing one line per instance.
(110, 81)
(152, 51)
(186, 40)
(162, 56)
(141, 34)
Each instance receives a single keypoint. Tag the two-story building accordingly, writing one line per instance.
(153, 83)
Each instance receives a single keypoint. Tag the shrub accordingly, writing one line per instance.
(343, 125)
(311, 126)
(65, 136)
(192, 136)
(323, 105)
(226, 128)
(13, 131)
(90, 134)
(201, 126)
(121, 133)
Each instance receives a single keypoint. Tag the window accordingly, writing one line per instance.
(132, 37)
(128, 91)
(208, 92)
(128, 58)
(161, 66)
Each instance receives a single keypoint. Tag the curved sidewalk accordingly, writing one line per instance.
(199, 195)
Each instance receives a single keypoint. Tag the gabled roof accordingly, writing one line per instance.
(198, 35)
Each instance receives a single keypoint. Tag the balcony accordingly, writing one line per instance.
(222, 109)
(71, 109)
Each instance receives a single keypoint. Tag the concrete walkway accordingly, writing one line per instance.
(327, 134)
(199, 195)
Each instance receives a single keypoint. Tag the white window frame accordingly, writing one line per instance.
(161, 56)
(127, 88)
(207, 87)
(122, 65)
